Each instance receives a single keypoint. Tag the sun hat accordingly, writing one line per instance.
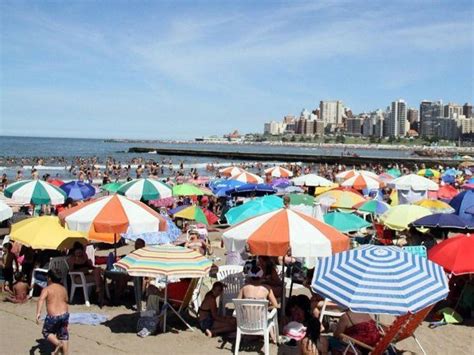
(295, 330)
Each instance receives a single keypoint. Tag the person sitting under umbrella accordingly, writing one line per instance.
(196, 243)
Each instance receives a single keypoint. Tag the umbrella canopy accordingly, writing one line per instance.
(78, 190)
(380, 280)
(429, 173)
(443, 220)
(195, 213)
(36, 192)
(362, 182)
(146, 189)
(413, 182)
(374, 207)
(312, 180)
(162, 202)
(274, 233)
(113, 214)
(156, 238)
(400, 216)
(386, 178)
(225, 184)
(350, 173)
(461, 202)
(45, 232)
(394, 172)
(165, 260)
(6, 211)
(56, 182)
(253, 208)
(280, 183)
(345, 222)
(112, 186)
(447, 192)
(435, 206)
(342, 199)
(187, 190)
(301, 199)
(251, 189)
(231, 171)
(455, 254)
(248, 178)
(278, 171)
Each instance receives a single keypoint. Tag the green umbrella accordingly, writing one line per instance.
(394, 172)
(345, 222)
(301, 199)
(146, 189)
(253, 208)
(112, 186)
(187, 190)
(192, 213)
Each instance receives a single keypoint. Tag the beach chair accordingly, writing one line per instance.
(233, 282)
(327, 313)
(253, 318)
(59, 264)
(86, 286)
(226, 270)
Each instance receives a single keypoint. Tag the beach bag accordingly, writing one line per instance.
(147, 323)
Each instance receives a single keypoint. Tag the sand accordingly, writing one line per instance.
(19, 334)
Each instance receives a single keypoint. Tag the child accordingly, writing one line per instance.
(8, 259)
(20, 290)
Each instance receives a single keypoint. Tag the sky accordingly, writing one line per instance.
(183, 69)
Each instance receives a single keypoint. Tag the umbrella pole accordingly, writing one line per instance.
(165, 305)
(115, 245)
(283, 295)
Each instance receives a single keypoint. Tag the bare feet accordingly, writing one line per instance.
(58, 348)
(208, 333)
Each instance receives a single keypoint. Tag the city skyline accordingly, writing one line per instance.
(210, 68)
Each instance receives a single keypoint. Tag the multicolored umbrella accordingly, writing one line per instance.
(362, 182)
(274, 233)
(380, 280)
(231, 171)
(78, 190)
(112, 186)
(374, 207)
(6, 211)
(248, 178)
(455, 254)
(345, 222)
(195, 213)
(157, 238)
(413, 182)
(435, 206)
(253, 208)
(36, 192)
(443, 220)
(145, 189)
(386, 178)
(312, 180)
(278, 171)
(350, 173)
(401, 216)
(187, 190)
(45, 232)
(342, 199)
(429, 173)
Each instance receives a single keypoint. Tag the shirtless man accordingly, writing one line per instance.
(20, 290)
(57, 318)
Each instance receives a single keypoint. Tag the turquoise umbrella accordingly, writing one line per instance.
(345, 222)
(255, 207)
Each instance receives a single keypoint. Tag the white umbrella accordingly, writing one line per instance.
(413, 182)
(5, 211)
(312, 180)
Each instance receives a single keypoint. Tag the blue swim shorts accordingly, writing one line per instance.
(56, 325)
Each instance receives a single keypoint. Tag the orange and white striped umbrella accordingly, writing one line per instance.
(279, 172)
(361, 182)
(231, 171)
(113, 214)
(350, 173)
(248, 178)
(276, 232)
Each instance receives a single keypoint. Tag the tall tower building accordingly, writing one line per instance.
(398, 123)
(467, 110)
(332, 113)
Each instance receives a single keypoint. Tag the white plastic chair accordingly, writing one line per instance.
(226, 270)
(59, 264)
(325, 312)
(253, 318)
(233, 282)
(86, 286)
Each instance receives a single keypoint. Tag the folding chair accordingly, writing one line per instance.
(58, 264)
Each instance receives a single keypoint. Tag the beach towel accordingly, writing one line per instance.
(86, 318)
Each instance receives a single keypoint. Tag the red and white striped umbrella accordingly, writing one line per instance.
(248, 178)
(274, 233)
(279, 172)
(361, 182)
(231, 171)
(350, 173)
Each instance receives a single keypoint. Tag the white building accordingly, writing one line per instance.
(274, 128)
(397, 124)
(332, 113)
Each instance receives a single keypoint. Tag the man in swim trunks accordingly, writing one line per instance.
(57, 318)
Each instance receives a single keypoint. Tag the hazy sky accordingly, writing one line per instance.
(181, 69)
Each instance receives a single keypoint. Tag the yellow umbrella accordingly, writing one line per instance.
(394, 198)
(322, 189)
(400, 216)
(429, 173)
(342, 198)
(435, 206)
(45, 232)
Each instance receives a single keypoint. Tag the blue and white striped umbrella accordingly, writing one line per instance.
(380, 280)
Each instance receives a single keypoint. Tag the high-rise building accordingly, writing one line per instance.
(413, 118)
(274, 128)
(430, 110)
(452, 110)
(332, 113)
(398, 124)
(354, 126)
(467, 110)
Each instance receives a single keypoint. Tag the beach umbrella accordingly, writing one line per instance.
(165, 261)
(301, 199)
(322, 189)
(200, 180)
(195, 213)
(386, 178)
(380, 280)
(350, 173)
(6, 211)
(342, 199)
(274, 233)
(312, 180)
(455, 254)
(248, 178)
(187, 190)
(461, 202)
(345, 222)
(56, 182)
(279, 172)
(452, 172)
(78, 190)
(224, 184)
(400, 216)
(447, 192)
(112, 186)
(157, 238)
(429, 173)
(45, 232)
(36, 192)
(252, 208)
(435, 206)
(145, 189)
(394, 172)
(443, 220)
(231, 171)
(251, 189)
(374, 207)
(162, 202)
(413, 182)
(362, 182)
(280, 183)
